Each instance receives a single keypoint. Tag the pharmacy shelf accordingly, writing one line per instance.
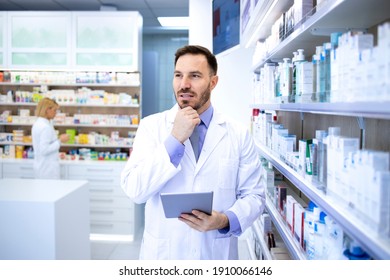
(256, 227)
(251, 252)
(15, 143)
(69, 85)
(379, 110)
(76, 125)
(74, 105)
(263, 16)
(97, 125)
(292, 245)
(69, 145)
(334, 15)
(96, 146)
(87, 163)
(377, 247)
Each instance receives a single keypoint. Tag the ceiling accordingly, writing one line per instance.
(149, 9)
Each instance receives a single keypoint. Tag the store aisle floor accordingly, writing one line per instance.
(113, 250)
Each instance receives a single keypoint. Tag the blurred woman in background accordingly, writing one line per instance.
(46, 144)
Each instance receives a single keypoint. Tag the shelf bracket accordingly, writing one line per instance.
(362, 126)
(318, 31)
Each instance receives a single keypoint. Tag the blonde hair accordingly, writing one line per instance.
(43, 105)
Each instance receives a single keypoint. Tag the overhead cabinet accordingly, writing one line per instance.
(71, 40)
(111, 40)
(39, 39)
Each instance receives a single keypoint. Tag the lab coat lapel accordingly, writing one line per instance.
(170, 119)
(214, 135)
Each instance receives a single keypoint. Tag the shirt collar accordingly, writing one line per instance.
(207, 115)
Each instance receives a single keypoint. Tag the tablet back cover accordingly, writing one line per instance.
(175, 204)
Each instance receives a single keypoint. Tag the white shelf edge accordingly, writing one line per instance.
(67, 162)
(250, 250)
(69, 85)
(96, 125)
(74, 105)
(380, 110)
(257, 230)
(75, 125)
(68, 145)
(96, 146)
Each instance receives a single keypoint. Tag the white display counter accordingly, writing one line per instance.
(44, 219)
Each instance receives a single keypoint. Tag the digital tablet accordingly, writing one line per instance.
(175, 204)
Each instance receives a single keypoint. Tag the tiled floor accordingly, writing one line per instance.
(113, 250)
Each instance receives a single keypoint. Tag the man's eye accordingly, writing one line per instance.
(195, 76)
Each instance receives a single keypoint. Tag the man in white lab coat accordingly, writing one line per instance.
(163, 160)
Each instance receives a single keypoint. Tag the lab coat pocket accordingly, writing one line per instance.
(154, 248)
(227, 173)
(221, 247)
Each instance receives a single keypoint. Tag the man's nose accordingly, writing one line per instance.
(185, 82)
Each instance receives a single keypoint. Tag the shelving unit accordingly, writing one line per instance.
(295, 250)
(377, 247)
(304, 118)
(61, 44)
(378, 110)
(111, 211)
(261, 19)
(340, 15)
(133, 90)
(258, 232)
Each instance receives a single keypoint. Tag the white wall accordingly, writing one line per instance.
(201, 23)
(232, 96)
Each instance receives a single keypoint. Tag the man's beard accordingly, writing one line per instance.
(204, 97)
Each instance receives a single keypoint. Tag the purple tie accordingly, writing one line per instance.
(194, 138)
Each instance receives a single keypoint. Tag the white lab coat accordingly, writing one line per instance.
(228, 165)
(46, 146)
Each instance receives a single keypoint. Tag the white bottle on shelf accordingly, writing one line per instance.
(329, 154)
(319, 236)
(311, 214)
(318, 159)
(299, 75)
(333, 245)
(318, 73)
(277, 90)
(293, 93)
(285, 80)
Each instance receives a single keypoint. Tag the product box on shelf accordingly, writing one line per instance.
(290, 201)
(281, 199)
(299, 212)
(302, 9)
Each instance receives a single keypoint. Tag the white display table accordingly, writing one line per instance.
(44, 219)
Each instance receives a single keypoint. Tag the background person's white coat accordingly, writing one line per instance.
(46, 147)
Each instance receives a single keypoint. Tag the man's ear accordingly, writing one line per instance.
(214, 82)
